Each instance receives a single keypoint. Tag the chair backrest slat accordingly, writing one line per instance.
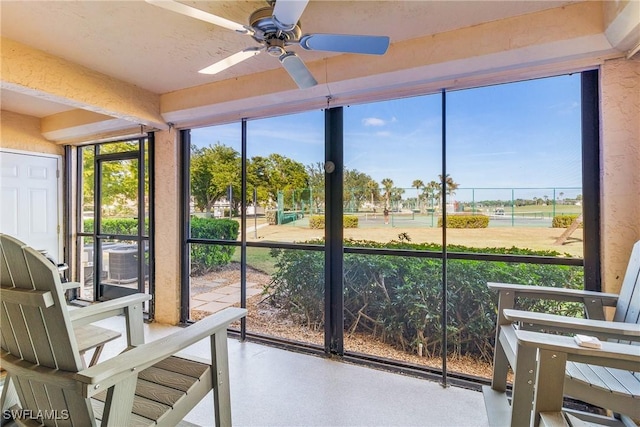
(53, 330)
(628, 307)
(16, 276)
(36, 328)
(16, 263)
(8, 333)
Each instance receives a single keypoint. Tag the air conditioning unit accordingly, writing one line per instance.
(123, 264)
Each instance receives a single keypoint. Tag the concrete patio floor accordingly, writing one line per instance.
(276, 387)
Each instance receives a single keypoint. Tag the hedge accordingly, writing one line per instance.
(465, 221)
(563, 221)
(398, 299)
(122, 226)
(348, 221)
(208, 257)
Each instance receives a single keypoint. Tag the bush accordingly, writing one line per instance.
(348, 221)
(466, 221)
(122, 226)
(205, 258)
(398, 299)
(563, 221)
(316, 221)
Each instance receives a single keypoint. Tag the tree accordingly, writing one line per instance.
(357, 187)
(431, 191)
(213, 170)
(387, 184)
(451, 186)
(417, 184)
(119, 178)
(373, 191)
(286, 175)
(315, 172)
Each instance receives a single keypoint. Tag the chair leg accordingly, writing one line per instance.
(500, 368)
(549, 383)
(220, 372)
(523, 386)
(117, 407)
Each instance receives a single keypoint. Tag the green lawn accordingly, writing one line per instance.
(258, 258)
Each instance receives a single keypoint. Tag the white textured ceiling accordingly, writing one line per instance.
(161, 51)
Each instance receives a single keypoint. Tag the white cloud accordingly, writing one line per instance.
(373, 121)
(383, 133)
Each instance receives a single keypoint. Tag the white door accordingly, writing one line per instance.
(29, 200)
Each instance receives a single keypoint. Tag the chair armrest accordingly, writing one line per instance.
(548, 292)
(594, 302)
(600, 328)
(106, 309)
(70, 285)
(615, 355)
(104, 375)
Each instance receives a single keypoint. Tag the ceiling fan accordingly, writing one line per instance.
(275, 28)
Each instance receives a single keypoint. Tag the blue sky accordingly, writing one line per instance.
(524, 135)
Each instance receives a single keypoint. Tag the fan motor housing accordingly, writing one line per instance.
(266, 30)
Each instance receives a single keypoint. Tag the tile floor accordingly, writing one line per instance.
(275, 387)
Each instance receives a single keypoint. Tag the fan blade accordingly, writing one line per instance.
(372, 45)
(192, 12)
(286, 13)
(234, 59)
(297, 70)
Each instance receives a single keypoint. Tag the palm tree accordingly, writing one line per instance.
(431, 191)
(451, 185)
(417, 184)
(387, 184)
(373, 190)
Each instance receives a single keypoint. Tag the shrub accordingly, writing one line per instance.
(563, 221)
(316, 221)
(122, 226)
(205, 258)
(466, 221)
(398, 299)
(348, 221)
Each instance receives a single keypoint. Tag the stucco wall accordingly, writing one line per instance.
(20, 132)
(620, 175)
(167, 227)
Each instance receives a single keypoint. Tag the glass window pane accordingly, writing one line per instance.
(514, 161)
(87, 188)
(118, 147)
(214, 279)
(392, 157)
(285, 294)
(119, 197)
(285, 172)
(392, 307)
(216, 174)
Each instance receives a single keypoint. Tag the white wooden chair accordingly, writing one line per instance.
(607, 378)
(146, 385)
(15, 273)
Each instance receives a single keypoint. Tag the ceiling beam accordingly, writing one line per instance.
(549, 39)
(36, 73)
